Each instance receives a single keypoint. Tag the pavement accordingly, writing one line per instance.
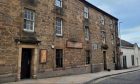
(76, 79)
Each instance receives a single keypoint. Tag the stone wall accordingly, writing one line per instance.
(11, 27)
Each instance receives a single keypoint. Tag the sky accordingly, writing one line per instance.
(128, 13)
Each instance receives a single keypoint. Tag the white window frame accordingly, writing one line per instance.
(111, 24)
(86, 12)
(103, 34)
(29, 20)
(102, 20)
(112, 38)
(87, 33)
(61, 26)
(58, 4)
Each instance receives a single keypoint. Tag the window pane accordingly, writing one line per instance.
(58, 3)
(28, 25)
(86, 9)
(32, 16)
(86, 33)
(58, 26)
(25, 14)
(29, 20)
(85, 12)
(24, 24)
(102, 20)
(31, 25)
(58, 30)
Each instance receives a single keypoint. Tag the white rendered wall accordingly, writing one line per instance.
(128, 52)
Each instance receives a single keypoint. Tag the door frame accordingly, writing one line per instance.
(105, 60)
(124, 62)
(34, 61)
(26, 58)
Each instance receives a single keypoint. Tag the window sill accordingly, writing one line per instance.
(86, 18)
(59, 35)
(58, 7)
(29, 31)
(87, 40)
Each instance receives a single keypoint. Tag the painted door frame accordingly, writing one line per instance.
(34, 61)
(124, 61)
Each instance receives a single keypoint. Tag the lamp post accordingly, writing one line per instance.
(120, 33)
(119, 56)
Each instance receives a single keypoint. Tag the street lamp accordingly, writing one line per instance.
(119, 57)
(120, 32)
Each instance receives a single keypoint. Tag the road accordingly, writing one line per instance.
(129, 78)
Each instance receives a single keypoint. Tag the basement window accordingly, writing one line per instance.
(29, 20)
(59, 58)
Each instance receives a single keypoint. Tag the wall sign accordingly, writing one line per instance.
(74, 45)
(43, 56)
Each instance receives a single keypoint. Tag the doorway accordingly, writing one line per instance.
(104, 56)
(124, 62)
(26, 63)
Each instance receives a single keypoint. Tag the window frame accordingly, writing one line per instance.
(103, 35)
(112, 38)
(86, 12)
(59, 58)
(59, 26)
(87, 33)
(29, 16)
(60, 3)
(102, 20)
(88, 57)
(133, 60)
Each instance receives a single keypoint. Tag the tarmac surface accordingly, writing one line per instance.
(80, 79)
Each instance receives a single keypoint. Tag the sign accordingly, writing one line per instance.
(74, 44)
(43, 56)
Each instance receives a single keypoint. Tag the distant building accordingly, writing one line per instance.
(130, 54)
(47, 38)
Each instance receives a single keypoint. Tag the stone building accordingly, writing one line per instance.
(47, 38)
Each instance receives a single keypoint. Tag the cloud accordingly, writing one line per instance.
(131, 34)
(126, 31)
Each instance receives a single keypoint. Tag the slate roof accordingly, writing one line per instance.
(98, 9)
(126, 44)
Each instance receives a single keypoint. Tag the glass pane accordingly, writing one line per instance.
(58, 26)
(86, 33)
(58, 30)
(28, 25)
(24, 24)
(31, 26)
(25, 14)
(32, 16)
(58, 3)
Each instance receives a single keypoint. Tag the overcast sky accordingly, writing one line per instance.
(128, 12)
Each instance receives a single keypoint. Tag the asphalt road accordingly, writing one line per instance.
(129, 78)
